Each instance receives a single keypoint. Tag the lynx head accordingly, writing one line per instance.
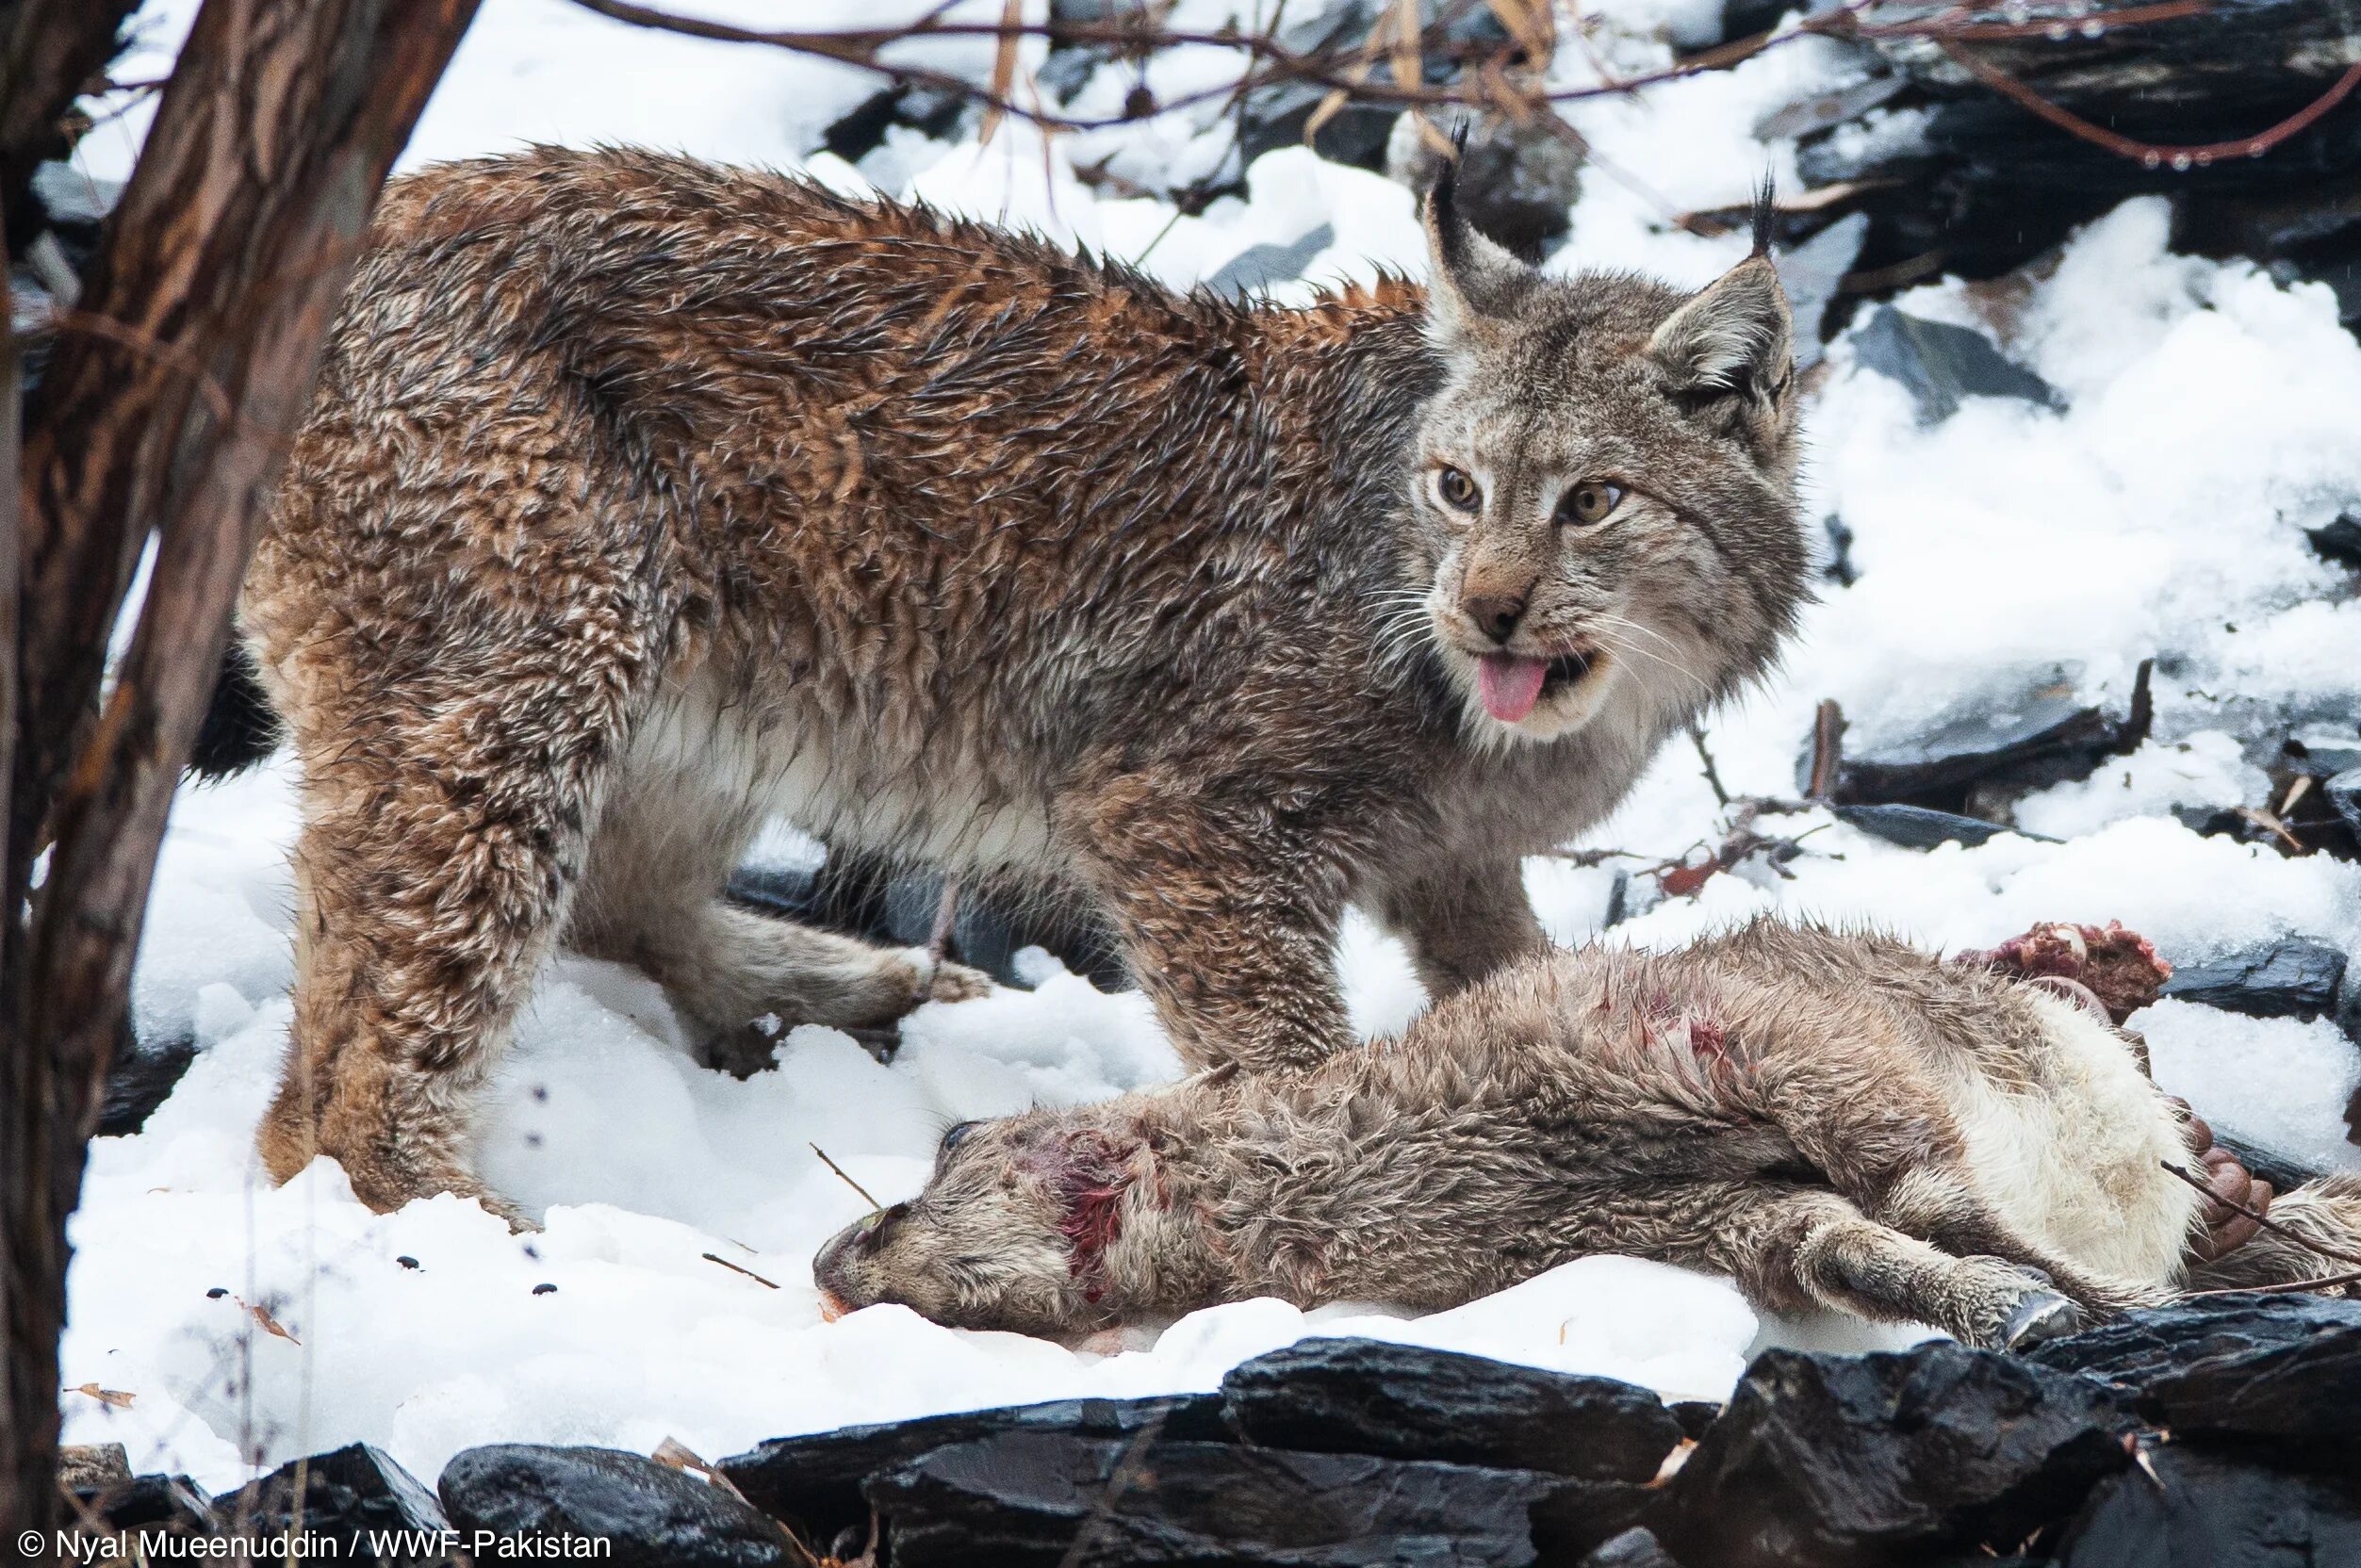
(1605, 487)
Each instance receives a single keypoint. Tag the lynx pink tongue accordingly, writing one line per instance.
(1509, 685)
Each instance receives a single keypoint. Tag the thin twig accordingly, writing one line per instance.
(749, 1273)
(1483, 84)
(946, 915)
(1712, 775)
(2290, 1288)
(2153, 154)
(1827, 749)
(873, 1205)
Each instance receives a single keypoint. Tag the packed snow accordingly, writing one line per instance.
(2208, 421)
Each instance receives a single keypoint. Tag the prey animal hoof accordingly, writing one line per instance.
(2041, 1314)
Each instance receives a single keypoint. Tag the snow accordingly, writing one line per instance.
(2160, 514)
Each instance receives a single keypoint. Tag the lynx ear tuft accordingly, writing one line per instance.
(1733, 337)
(1470, 277)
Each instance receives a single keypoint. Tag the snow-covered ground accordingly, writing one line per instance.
(2210, 419)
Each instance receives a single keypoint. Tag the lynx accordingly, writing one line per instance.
(1836, 1120)
(644, 501)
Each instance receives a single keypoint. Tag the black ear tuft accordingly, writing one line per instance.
(1442, 196)
(1470, 277)
(1764, 193)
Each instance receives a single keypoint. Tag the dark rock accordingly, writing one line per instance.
(2249, 1365)
(2294, 977)
(141, 1077)
(1941, 365)
(2044, 735)
(1453, 37)
(1055, 1498)
(1578, 1515)
(654, 1516)
(814, 1483)
(103, 1497)
(929, 110)
(90, 1466)
(1694, 1416)
(1981, 187)
(2344, 796)
(1404, 1401)
(351, 1501)
(2323, 751)
(1829, 110)
(1916, 828)
(1257, 266)
(1820, 1460)
(2196, 1509)
(1634, 1548)
(2339, 541)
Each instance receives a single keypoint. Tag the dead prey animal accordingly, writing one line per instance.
(1834, 1119)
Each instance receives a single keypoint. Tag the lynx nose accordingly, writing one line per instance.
(1494, 614)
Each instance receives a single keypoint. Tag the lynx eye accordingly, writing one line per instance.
(957, 1134)
(1591, 501)
(1459, 491)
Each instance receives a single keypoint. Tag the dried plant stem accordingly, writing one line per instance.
(873, 1205)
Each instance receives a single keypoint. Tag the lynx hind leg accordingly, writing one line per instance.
(727, 968)
(650, 899)
(1817, 1250)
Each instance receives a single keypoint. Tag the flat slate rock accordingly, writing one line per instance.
(2250, 1364)
(139, 1079)
(2343, 790)
(2043, 734)
(653, 1515)
(2293, 977)
(352, 1501)
(1821, 1460)
(1041, 1498)
(814, 1483)
(1405, 1402)
(1943, 366)
(2191, 1507)
(1258, 268)
(1918, 827)
(101, 1502)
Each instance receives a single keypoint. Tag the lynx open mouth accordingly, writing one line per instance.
(1565, 669)
(1510, 685)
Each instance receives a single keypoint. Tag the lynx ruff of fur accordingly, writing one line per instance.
(1836, 1120)
(644, 501)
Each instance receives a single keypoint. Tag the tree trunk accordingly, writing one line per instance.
(48, 52)
(167, 406)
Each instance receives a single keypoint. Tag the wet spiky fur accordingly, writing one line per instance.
(1837, 1120)
(644, 500)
